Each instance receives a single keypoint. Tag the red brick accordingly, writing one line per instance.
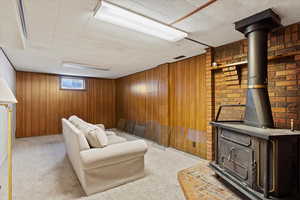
(280, 115)
(291, 66)
(234, 95)
(293, 88)
(293, 99)
(277, 99)
(297, 57)
(286, 72)
(279, 109)
(280, 120)
(295, 36)
(271, 94)
(292, 115)
(291, 77)
(286, 83)
(292, 107)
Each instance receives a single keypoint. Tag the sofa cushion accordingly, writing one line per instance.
(101, 126)
(110, 133)
(113, 139)
(107, 131)
(113, 154)
(75, 120)
(95, 136)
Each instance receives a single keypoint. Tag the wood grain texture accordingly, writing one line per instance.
(173, 95)
(143, 97)
(187, 105)
(42, 104)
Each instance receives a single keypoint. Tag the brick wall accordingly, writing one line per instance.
(210, 104)
(283, 78)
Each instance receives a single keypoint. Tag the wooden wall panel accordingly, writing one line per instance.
(42, 104)
(187, 104)
(143, 96)
(174, 95)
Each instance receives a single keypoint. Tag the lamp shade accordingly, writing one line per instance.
(6, 95)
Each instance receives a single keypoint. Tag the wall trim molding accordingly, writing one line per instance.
(12, 65)
(56, 74)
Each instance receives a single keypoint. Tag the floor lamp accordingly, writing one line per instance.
(6, 99)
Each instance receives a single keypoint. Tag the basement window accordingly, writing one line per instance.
(72, 83)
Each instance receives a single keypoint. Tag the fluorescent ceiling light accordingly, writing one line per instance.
(122, 17)
(83, 66)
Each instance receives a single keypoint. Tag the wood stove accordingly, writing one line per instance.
(260, 161)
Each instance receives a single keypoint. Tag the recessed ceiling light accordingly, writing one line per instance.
(83, 66)
(123, 17)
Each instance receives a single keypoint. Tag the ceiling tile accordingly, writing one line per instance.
(65, 30)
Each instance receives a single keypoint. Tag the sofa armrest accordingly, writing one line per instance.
(99, 157)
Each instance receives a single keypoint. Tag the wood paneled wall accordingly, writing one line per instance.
(187, 105)
(42, 104)
(143, 96)
(174, 95)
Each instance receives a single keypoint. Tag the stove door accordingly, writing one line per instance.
(237, 160)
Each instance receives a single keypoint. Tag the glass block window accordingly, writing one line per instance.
(70, 83)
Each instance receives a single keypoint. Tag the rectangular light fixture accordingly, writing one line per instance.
(83, 66)
(123, 17)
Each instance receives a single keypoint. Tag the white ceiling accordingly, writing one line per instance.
(65, 30)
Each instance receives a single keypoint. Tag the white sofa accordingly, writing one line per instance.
(99, 169)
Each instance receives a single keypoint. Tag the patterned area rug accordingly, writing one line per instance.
(200, 183)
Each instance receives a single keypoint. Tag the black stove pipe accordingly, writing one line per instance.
(256, 29)
(258, 107)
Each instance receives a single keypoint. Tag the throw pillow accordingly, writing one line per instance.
(95, 136)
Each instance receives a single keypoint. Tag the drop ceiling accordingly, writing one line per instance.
(66, 31)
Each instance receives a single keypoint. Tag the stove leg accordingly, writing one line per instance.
(267, 169)
(216, 144)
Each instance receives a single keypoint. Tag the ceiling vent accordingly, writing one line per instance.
(179, 57)
(83, 66)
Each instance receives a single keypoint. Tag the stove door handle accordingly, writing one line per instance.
(230, 154)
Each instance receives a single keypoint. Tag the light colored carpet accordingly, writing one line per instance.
(42, 171)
